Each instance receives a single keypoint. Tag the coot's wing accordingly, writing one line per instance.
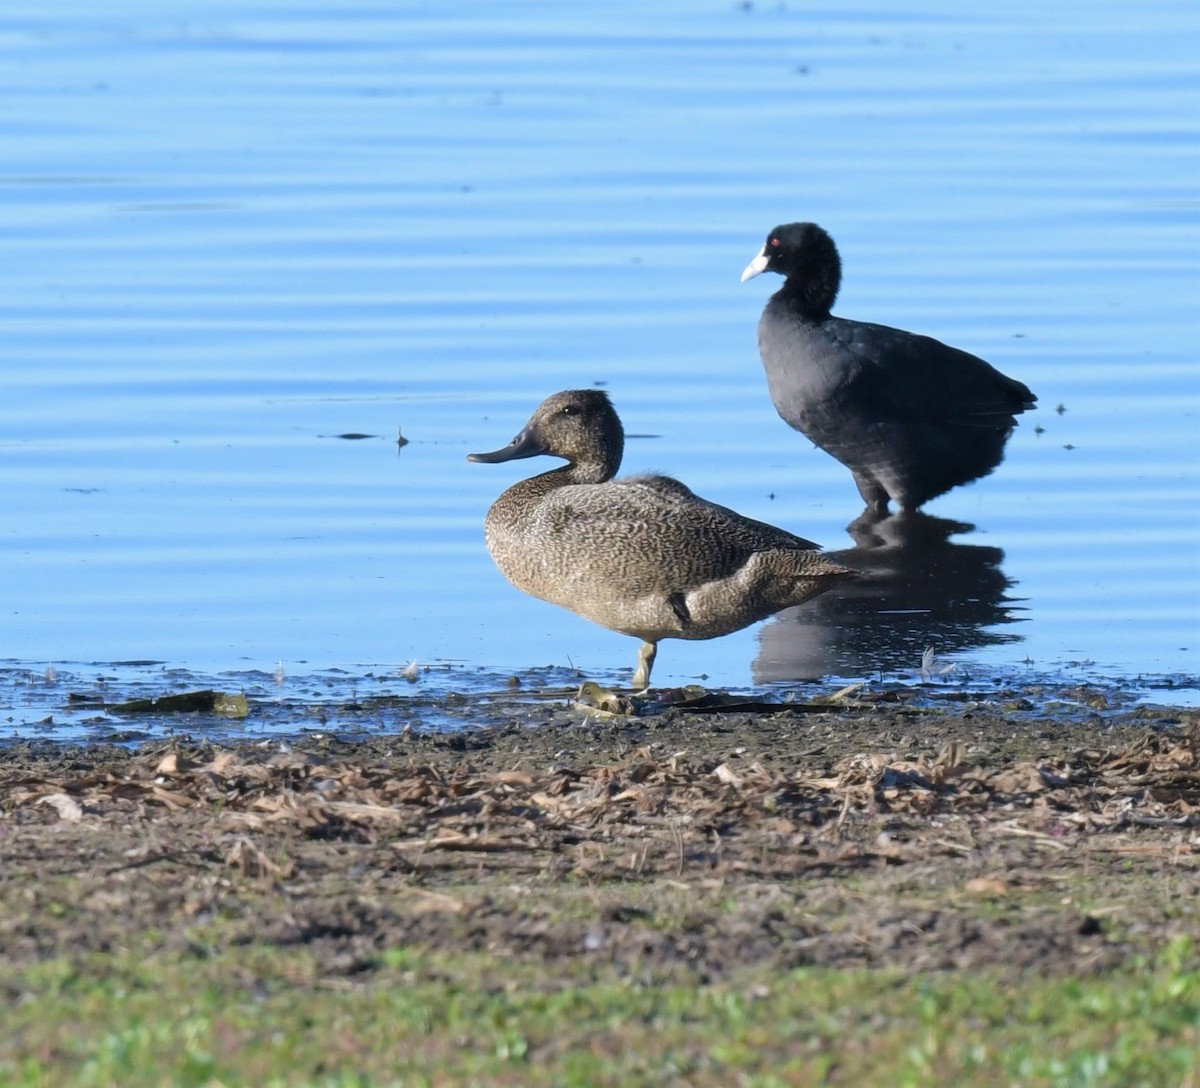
(893, 375)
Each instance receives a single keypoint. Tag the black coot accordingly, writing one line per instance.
(909, 416)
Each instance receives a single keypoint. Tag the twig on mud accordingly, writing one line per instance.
(450, 840)
(1141, 850)
(959, 847)
(1037, 836)
(1191, 819)
(841, 820)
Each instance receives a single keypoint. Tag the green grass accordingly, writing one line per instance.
(261, 1017)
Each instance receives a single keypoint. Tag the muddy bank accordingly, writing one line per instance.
(882, 831)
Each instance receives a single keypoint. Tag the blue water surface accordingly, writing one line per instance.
(236, 232)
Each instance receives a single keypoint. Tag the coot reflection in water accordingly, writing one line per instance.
(920, 589)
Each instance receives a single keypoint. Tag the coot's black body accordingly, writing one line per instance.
(910, 417)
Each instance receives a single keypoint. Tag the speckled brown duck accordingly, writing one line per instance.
(642, 555)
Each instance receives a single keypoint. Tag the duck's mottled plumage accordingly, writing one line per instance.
(909, 416)
(642, 555)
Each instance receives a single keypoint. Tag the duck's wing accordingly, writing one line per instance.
(697, 515)
(654, 531)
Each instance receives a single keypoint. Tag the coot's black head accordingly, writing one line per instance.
(806, 257)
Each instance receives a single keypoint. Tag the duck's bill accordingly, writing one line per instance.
(524, 445)
(759, 264)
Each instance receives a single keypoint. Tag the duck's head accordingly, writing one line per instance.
(579, 425)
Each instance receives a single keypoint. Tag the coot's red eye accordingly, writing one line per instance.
(775, 242)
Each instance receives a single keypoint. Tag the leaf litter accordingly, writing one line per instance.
(688, 841)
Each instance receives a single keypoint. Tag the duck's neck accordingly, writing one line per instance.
(580, 472)
(592, 471)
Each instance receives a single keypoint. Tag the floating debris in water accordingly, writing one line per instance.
(401, 441)
(929, 668)
(602, 702)
(189, 702)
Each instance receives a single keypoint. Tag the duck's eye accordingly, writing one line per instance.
(570, 410)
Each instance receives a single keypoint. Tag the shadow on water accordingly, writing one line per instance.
(920, 589)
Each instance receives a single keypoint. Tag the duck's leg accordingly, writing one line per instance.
(646, 655)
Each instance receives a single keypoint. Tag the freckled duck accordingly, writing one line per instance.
(642, 555)
(910, 417)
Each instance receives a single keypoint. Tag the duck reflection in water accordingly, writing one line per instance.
(918, 589)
